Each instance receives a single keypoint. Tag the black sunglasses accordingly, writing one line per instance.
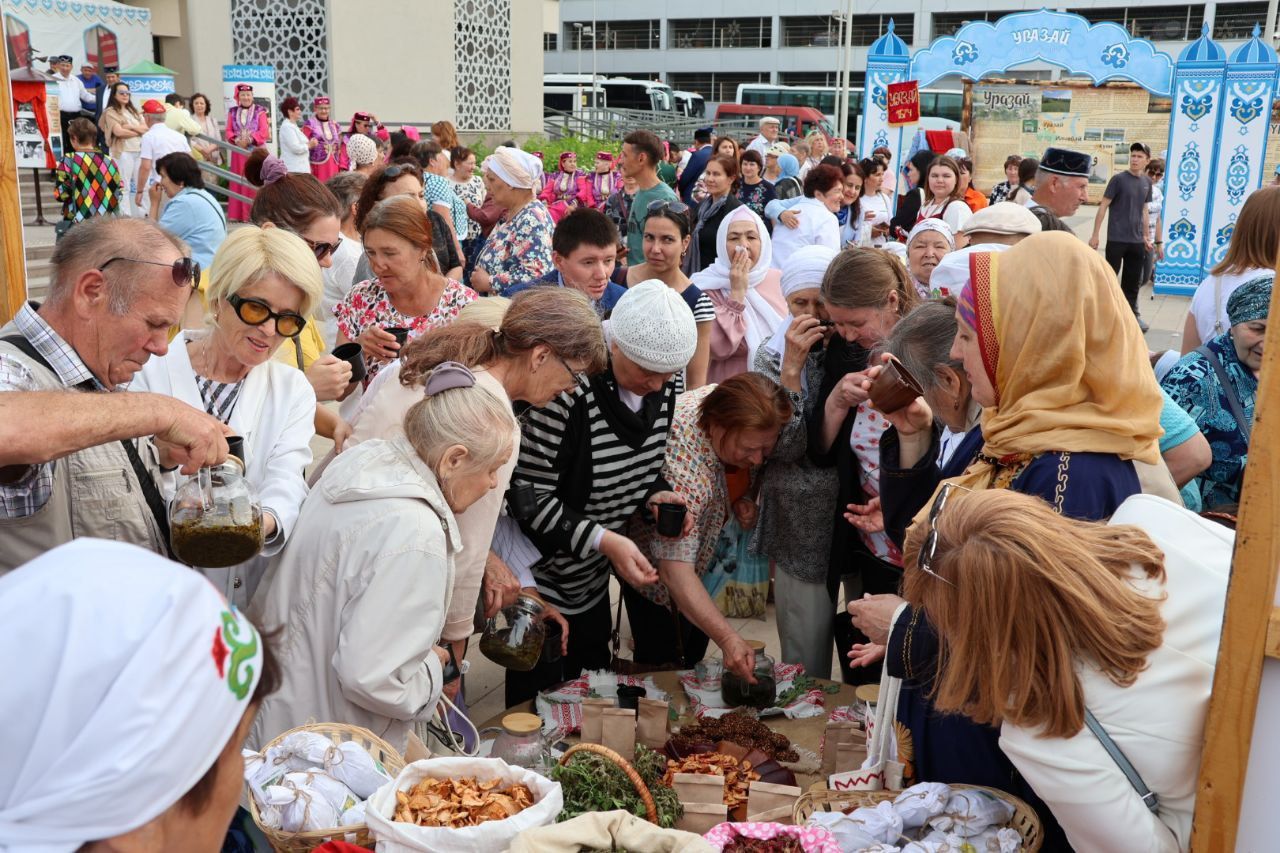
(924, 560)
(186, 272)
(320, 249)
(255, 312)
(662, 205)
(394, 172)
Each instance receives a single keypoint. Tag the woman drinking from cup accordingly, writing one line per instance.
(262, 287)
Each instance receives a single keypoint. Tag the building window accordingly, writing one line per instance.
(482, 64)
(613, 35)
(810, 31)
(948, 23)
(719, 33)
(1158, 23)
(716, 88)
(1234, 21)
(292, 35)
(868, 28)
(549, 41)
(819, 78)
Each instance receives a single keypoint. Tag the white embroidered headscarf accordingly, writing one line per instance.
(127, 677)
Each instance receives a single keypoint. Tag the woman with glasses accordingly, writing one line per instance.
(262, 287)
(1071, 412)
(1109, 635)
(1155, 171)
(123, 129)
(666, 239)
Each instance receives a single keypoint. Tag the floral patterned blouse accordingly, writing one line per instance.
(864, 440)
(367, 304)
(756, 196)
(472, 192)
(519, 248)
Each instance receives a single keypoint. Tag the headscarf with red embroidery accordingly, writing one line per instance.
(132, 675)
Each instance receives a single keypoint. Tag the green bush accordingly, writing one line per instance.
(552, 149)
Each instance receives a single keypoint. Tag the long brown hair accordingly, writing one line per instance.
(559, 318)
(1030, 594)
(947, 163)
(1256, 236)
(864, 278)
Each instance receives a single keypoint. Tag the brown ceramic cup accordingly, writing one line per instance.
(894, 388)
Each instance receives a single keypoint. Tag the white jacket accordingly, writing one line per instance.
(818, 227)
(360, 595)
(1158, 721)
(294, 150)
(275, 414)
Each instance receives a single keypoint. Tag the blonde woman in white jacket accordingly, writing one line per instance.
(361, 593)
(263, 285)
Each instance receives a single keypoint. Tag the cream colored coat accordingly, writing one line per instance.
(361, 592)
(1158, 721)
(383, 417)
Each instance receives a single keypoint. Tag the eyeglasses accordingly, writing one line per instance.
(394, 172)
(924, 560)
(579, 377)
(320, 249)
(186, 272)
(662, 205)
(255, 312)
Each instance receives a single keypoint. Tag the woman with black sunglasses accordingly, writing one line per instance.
(262, 287)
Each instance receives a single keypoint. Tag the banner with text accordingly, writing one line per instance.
(904, 103)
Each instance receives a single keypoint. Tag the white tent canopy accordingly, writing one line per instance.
(97, 32)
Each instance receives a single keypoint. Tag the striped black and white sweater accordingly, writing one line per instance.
(593, 463)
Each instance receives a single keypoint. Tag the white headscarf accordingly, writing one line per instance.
(515, 168)
(805, 268)
(932, 224)
(761, 316)
(128, 675)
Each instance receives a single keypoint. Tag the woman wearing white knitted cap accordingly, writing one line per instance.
(362, 154)
(797, 498)
(594, 457)
(125, 714)
(519, 247)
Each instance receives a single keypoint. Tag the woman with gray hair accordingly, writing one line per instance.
(519, 247)
(360, 594)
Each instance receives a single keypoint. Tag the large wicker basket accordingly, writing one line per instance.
(1024, 819)
(304, 842)
(651, 810)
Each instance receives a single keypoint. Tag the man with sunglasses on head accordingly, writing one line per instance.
(76, 458)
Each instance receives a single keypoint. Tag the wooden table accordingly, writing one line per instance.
(806, 733)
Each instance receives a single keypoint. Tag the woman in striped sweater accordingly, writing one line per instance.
(594, 456)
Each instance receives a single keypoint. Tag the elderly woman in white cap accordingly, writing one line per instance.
(519, 247)
(125, 715)
(360, 593)
(992, 229)
(927, 243)
(798, 499)
(594, 457)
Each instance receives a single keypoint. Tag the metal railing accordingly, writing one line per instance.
(602, 123)
(219, 172)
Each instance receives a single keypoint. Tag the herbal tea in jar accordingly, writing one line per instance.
(215, 519)
(513, 638)
(737, 692)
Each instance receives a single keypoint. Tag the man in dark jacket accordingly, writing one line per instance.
(698, 160)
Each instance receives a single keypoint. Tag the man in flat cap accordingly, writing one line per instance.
(1062, 182)
(1126, 198)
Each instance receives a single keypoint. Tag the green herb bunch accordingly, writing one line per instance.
(593, 783)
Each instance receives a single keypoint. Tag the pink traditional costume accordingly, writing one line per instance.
(344, 162)
(252, 121)
(325, 156)
(564, 191)
(602, 184)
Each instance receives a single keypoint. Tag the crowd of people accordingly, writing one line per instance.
(708, 335)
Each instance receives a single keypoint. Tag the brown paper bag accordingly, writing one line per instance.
(651, 726)
(770, 803)
(618, 731)
(844, 731)
(591, 709)
(701, 817)
(698, 788)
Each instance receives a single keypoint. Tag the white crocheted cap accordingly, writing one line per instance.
(654, 327)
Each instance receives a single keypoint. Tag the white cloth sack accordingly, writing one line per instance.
(492, 837)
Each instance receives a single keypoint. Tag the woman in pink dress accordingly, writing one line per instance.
(567, 188)
(603, 182)
(325, 137)
(248, 127)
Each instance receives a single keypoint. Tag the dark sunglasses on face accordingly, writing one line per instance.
(185, 271)
(320, 249)
(255, 312)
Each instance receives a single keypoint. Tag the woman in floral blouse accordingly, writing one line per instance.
(718, 431)
(409, 291)
(754, 191)
(519, 247)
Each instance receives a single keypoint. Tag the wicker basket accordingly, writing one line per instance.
(1024, 819)
(304, 842)
(642, 789)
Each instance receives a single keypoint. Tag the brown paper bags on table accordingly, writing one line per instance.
(853, 737)
(618, 731)
(651, 724)
(770, 803)
(702, 797)
(591, 709)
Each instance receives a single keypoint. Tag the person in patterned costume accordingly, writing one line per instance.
(325, 137)
(566, 189)
(87, 182)
(604, 181)
(248, 127)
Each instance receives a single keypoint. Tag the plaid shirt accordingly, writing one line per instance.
(32, 490)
